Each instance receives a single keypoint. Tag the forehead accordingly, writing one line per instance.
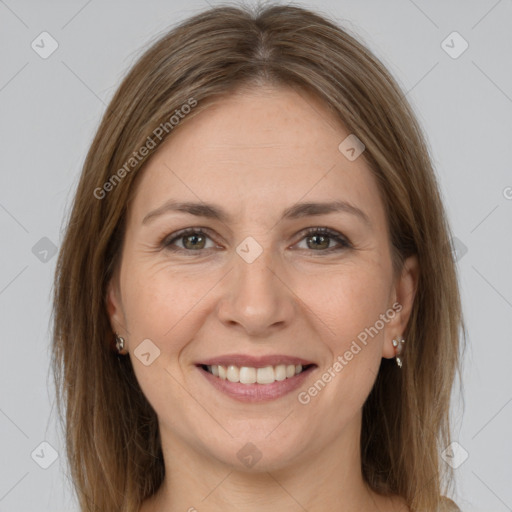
(254, 149)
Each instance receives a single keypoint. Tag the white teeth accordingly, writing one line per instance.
(249, 375)
(280, 372)
(233, 374)
(265, 375)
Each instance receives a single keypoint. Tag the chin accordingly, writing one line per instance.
(259, 454)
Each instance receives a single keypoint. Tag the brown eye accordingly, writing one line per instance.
(319, 242)
(193, 241)
(189, 240)
(319, 239)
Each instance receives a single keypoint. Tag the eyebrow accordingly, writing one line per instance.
(296, 211)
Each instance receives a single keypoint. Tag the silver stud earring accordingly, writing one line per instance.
(397, 343)
(119, 343)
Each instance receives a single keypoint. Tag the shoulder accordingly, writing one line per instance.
(449, 505)
(399, 504)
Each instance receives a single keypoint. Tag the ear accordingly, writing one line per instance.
(115, 307)
(402, 302)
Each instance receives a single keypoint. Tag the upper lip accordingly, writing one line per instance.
(253, 361)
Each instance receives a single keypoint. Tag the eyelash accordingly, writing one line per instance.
(334, 235)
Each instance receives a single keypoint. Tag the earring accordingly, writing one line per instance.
(119, 343)
(397, 343)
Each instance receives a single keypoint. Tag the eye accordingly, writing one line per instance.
(321, 239)
(192, 240)
(195, 239)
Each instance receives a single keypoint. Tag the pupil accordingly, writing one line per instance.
(195, 238)
(316, 237)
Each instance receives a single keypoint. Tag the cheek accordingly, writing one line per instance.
(347, 301)
(157, 300)
(160, 306)
(348, 304)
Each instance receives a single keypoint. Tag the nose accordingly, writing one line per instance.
(257, 298)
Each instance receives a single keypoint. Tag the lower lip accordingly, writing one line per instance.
(257, 392)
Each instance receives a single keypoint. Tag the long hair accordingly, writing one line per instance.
(111, 431)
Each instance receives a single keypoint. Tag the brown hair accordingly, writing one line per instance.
(111, 431)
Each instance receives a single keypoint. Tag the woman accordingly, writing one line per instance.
(256, 305)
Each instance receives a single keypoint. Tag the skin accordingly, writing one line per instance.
(255, 153)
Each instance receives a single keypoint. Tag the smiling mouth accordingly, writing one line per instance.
(250, 375)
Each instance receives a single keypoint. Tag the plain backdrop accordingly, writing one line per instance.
(51, 107)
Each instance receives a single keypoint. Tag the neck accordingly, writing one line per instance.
(331, 480)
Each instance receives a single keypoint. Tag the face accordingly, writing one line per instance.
(258, 284)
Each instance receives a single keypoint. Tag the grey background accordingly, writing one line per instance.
(50, 109)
